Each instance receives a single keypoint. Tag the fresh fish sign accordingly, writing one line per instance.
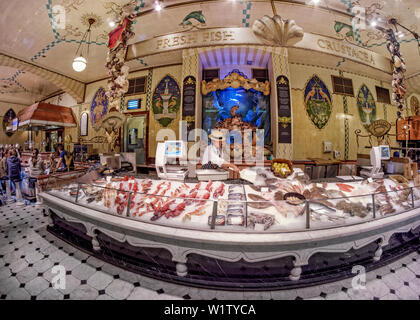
(317, 102)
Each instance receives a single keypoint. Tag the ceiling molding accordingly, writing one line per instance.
(73, 87)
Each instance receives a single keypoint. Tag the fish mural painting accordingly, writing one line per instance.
(317, 102)
(166, 101)
(98, 108)
(366, 105)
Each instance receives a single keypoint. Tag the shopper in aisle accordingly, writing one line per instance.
(3, 169)
(36, 164)
(13, 169)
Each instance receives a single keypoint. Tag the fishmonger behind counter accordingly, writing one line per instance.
(213, 153)
(65, 161)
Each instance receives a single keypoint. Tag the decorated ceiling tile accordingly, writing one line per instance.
(166, 101)
(366, 105)
(317, 102)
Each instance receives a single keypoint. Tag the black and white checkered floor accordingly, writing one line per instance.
(28, 253)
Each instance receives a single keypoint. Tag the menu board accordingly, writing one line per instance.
(188, 102)
(284, 110)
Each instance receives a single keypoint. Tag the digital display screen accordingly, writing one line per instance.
(173, 148)
(15, 124)
(385, 154)
(134, 104)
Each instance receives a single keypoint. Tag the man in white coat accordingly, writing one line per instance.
(214, 153)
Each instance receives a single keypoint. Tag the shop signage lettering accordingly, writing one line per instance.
(174, 41)
(346, 50)
(244, 36)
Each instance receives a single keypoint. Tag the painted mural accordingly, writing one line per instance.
(317, 102)
(415, 106)
(366, 105)
(8, 120)
(98, 108)
(166, 101)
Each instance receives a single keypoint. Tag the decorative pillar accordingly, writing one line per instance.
(191, 102)
(39, 200)
(19, 202)
(346, 125)
(281, 104)
(191, 96)
(8, 193)
(296, 271)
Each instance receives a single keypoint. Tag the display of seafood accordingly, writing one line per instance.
(267, 220)
(273, 203)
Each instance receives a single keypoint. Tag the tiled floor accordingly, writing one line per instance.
(28, 253)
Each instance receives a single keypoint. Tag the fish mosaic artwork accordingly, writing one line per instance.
(344, 30)
(166, 101)
(366, 105)
(318, 103)
(98, 108)
(193, 19)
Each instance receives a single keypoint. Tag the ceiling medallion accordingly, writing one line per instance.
(89, 16)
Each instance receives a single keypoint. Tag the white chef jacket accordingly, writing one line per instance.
(214, 155)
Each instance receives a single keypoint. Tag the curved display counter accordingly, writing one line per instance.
(256, 253)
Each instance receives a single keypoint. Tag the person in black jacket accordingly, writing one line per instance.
(13, 167)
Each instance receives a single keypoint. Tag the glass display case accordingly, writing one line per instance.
(273, 205)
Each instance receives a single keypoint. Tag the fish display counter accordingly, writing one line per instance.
(205, 231)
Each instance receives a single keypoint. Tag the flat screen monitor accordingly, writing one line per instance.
(175, 149)
(385, 153)
(134, 104)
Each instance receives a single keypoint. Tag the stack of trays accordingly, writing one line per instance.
(232, 211)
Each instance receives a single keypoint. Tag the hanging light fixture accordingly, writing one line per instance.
(80, 62)
(158, 5)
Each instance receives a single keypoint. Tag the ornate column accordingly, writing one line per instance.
(8, 193)
(191, 102)
(280, 34)
(281, 104)
(19, 202)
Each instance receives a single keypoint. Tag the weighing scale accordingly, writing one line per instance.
(212, 174)
(376, 155)
(166, 153)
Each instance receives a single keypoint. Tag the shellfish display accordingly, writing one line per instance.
(272, 203)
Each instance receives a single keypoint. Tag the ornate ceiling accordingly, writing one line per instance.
(28, 33)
